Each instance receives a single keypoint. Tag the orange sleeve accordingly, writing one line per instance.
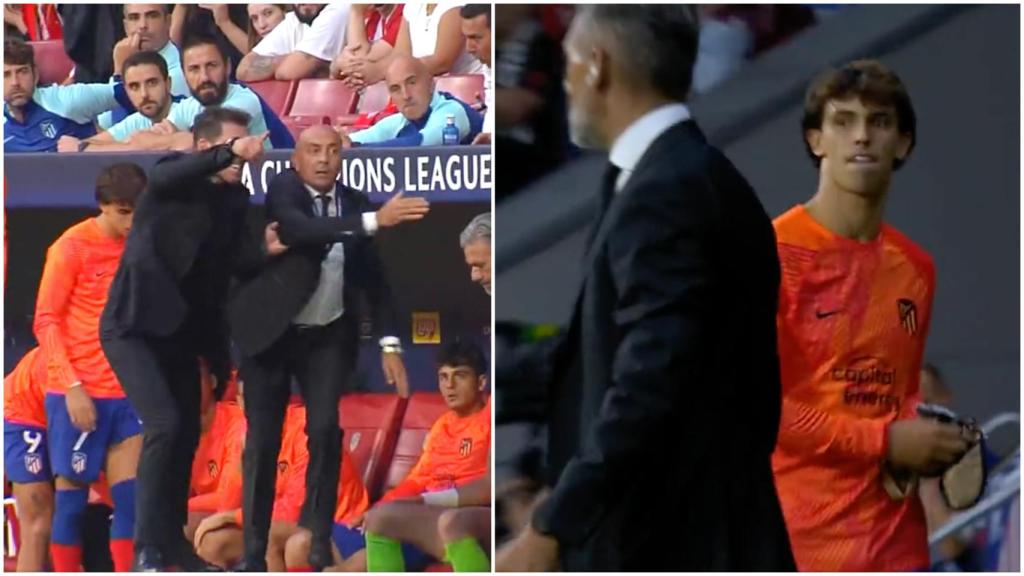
(805, 430)
(415, 482)
(203, 502)
(59, 277)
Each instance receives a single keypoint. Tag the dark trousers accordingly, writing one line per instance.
(161, 379)
(321, 360)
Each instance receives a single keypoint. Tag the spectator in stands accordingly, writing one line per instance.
(302, 46)
(36, 22)
(476, 246)
(262, 19)
(530, 113)
(149, 88)
(372, 33)
(36, 117)
(430, 32)
(26, 459)
(225, 23)
(476, 27)
(146, 28)
(725, 42)
(423, 111)
(206, 71)
(90, 32)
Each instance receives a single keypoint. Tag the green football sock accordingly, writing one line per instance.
(465, 555)
(383, 554)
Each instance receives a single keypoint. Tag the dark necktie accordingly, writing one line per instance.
(325, 202)
(611, 174)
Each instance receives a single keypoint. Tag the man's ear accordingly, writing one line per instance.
(813, 138)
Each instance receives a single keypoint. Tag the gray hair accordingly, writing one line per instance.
(479, 228)
(654, 43)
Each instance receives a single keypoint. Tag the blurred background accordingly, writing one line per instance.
(958, 196)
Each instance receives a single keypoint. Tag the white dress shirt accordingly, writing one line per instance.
(634, 141)
(327, 303)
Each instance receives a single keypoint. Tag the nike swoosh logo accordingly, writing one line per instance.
(822, 315)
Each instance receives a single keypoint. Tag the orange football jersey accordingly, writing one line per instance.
(24, 389)
(79, 269)
(216, 455)
(455, 452)
(852, 322)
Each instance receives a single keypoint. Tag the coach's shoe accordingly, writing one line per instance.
(148, 559)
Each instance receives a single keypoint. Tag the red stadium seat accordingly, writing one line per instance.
(323, 98)
(53, 63)
(371, 423)
(465, 88)
(12, 538)
(423, 409)
(374, 98)
(277, 94)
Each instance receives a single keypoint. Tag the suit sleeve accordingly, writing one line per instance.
(658, 262)
(296, 228)
(378, 288)
(59, 276)
(172, 174)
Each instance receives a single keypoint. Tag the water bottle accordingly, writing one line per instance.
(450, 134)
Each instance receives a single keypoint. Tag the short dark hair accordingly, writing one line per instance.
(470, 11)
(120, 183)
(868, 80)
(201, 39)
(146, 57)
(165, 7)
(462, 352)
(208, 124)
(18, 52)
(656, 43)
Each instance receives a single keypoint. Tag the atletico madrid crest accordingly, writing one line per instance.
(908, 315)
(33, 463)
(78, 460)
(466, 447)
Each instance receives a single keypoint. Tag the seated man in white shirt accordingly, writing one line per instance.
(149, 88)
(423, 111)
(302, 46)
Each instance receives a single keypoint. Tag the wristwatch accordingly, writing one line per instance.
(391, 345)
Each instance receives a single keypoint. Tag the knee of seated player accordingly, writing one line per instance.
(383, 519)
(280, 532)
(38, 528)
(214, 545)
(451, 526)
(296, 550)
(34, 500)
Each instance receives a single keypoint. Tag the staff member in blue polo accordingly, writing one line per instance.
(423, 111)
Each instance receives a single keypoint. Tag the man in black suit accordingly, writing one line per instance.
(299, 319)
(165, 312)
(665, 398)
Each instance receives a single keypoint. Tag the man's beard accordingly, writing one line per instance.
(308, 19)
(220, 92)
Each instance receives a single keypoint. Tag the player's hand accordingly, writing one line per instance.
(124, 48)
(164, 126)
(394, 372)
(81, 409)
(249, 148)
(530, 551)
(212, 523)
(925, 446)
(272, 241)
(400, 209)
(479, 104)
(483, 138)
(68, 144)
(219, 11)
